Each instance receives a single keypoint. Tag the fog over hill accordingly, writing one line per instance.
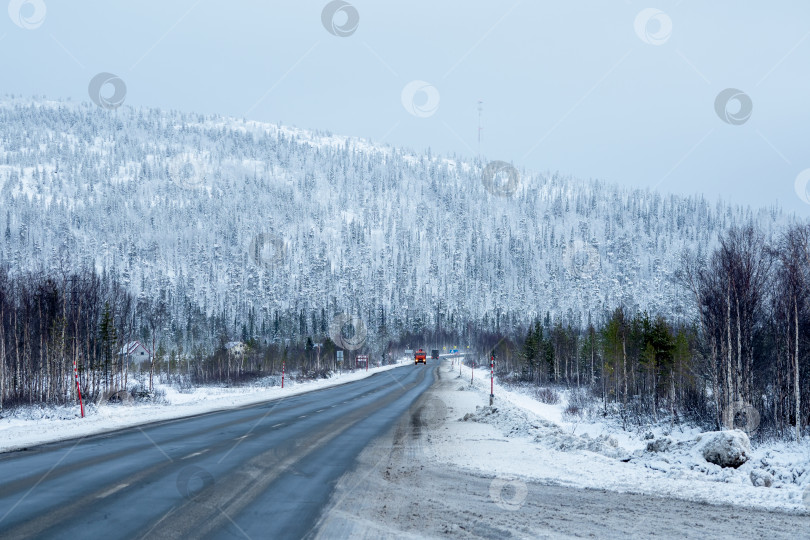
(240, 217)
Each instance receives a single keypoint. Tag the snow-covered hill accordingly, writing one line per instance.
(245, 217)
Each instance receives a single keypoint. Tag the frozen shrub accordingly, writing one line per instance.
(579, 402)
(183, 385)
(572, 412)
(143, 395)
(580, 398)
(547, 396)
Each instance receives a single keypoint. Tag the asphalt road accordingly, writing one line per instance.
(263, 471)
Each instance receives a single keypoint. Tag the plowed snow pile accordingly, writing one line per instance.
(517, 422)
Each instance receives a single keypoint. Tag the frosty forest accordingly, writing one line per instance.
(187, 233)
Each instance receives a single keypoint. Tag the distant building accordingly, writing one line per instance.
(134, 351)
(235, 348)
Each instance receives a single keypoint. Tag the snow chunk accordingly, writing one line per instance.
(725, 448)
(659, 445)
(761, 478)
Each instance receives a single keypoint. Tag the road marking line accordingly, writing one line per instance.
(242, 437)
(320, 410)
(195, 454)
(333, 406)
(109, 492)
(281, 424)
(302, 416)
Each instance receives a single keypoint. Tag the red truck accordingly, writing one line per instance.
(419, 356)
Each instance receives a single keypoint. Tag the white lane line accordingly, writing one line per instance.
(242, 437)
(201, 452)
(320, 410)
(333, 406)
(302, 416)
(281, 424)
(109, 492)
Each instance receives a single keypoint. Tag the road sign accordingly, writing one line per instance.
(361, 359)
(340, 356)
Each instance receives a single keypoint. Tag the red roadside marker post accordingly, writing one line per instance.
(491, 379)
(283, 365)
(78, 388)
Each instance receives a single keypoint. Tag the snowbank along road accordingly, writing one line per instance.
(405, 487)
(260, 471)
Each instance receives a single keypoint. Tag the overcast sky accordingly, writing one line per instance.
(624, 91)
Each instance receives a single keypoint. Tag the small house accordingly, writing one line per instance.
(134, 351)
(235, 348)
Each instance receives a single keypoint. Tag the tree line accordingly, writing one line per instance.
(741, 350)
(50, 324)
(65, 332)
(743, 353)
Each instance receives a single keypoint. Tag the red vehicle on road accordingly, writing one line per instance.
(419, 356)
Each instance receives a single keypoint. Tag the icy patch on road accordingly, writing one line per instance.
(522, 437)
(32, 425)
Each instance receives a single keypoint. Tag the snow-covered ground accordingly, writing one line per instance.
(28, 426)
(524, 438)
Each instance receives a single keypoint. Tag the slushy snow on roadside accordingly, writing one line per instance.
(524, 438)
